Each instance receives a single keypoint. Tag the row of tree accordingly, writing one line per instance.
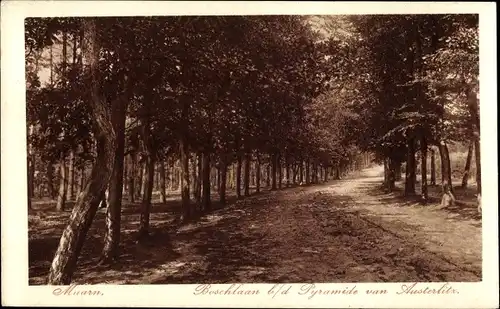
(218, 90)
(419, 94)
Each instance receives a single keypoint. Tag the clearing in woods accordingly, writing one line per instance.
(341, 231)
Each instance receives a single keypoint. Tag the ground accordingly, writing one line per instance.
(342, 231)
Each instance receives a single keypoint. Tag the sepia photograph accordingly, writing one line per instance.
(223, 151)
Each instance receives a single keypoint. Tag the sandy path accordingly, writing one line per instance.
(341, 231)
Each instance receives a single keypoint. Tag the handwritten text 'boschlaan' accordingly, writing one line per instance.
(310, 290)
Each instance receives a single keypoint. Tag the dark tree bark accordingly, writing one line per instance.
(246, 175)
(223, 172)
(433, 167)
(238, 177)
(252, 174)
(144, 181)
(125, 173)
(473, 104)
(113, 214)
(61, 197)
(149, 169)
(104, 200)
(163, 186)
(82, 180)
(184, 181)
(71, 172)
(217, 185)
(325, 175)
(31, 169)
(274, 162)
(423, 169)
(287, 171)
(30, 181)
(73, 236)
(410, 168)
(132, 176)
(398, 170)
(231, 175)
(390, 173)
(294, 173)
(465, 178)
(301, 172)
(206, 182)
(139, 181)
(386, 173)
(257, 174)
(308, 179)
(445, 165)
(313, 172)
(280, 171)
(268, 174)
(196, 175)
(478, 164)
(199, 167)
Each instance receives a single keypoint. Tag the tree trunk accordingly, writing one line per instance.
(217, 185)
(132, 175)
(223, 173)
(397, 170)
(246, 175)
(423, 168)
(465, 178)
(149, 169)
(196, 175)
(140, 175)
(268, 174)
(238, 177)
(287, 172)
(144, 181)
(113, 213)
(478, 164)
(445, 165)
(125, 173)
(31, 169)
(61, 197)
(73, 237)
(231, 175)
(71, 172)
(50, 180)
(325, 175)
(280, 170)
(184, 181)
(433, 167)
(386, 173)
(410, 168)
(301, 172)
(30, 180)
(274, 162)
(308, 179)
(206, 203)
(257, 174)
(82, 180)
(104, 200)
(163, 186)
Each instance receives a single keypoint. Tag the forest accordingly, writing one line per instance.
(191, 115)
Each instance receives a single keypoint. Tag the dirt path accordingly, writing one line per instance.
(343, 231)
